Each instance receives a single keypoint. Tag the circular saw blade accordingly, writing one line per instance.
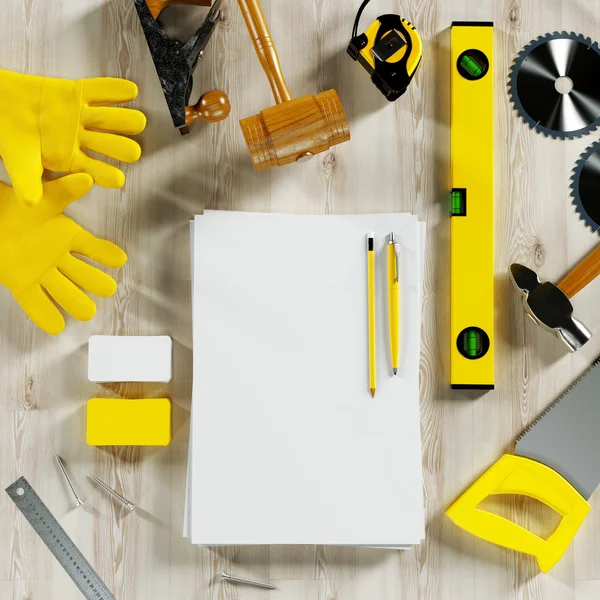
(532, 85)
(585, 186)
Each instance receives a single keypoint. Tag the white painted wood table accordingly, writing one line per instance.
(397, 161)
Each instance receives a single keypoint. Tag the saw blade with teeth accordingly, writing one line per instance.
(554, 85)
(585, 186)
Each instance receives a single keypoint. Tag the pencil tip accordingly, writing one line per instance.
(372, 392)
(395, 372)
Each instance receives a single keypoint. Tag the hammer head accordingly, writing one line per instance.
(548, 305)
(296, 130)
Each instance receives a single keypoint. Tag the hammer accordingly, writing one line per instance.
(296, 128)
(549, 305)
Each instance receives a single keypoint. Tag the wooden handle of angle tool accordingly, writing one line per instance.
(585, 272)
(157, 6)
(265, 48)
(212, 107)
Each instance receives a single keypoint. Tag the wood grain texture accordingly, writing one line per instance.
(295, 130)
(397, 161)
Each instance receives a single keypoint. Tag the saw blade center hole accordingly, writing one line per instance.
(563, 84)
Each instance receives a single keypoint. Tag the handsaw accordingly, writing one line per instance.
(555, 462)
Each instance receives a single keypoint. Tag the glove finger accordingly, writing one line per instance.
(68, 295)
(25, 174)
(108, 90)
(109, 144)
(104, 174)
(58, 194)
(102, 251)
(87, 277)
(41, 310)
(110, 118)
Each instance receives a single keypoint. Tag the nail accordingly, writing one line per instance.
(260, 584)
(112, 492)
(63, 469)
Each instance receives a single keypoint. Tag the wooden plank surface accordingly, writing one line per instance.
(397, 161)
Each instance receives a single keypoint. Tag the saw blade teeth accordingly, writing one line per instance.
(513, 75)
(576, 199)
(555, 402)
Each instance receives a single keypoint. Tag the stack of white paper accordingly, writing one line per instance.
(286, 444)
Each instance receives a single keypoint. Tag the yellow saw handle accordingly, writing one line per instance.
(518, 475)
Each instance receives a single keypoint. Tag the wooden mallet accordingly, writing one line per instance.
(296, 128)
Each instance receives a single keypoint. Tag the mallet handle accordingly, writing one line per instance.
(265, 48)
(157, 6)
(585, 272)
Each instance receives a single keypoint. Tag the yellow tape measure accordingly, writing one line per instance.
(390, 50)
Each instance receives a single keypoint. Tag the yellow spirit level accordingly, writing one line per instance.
(390, 50)
(472, 206)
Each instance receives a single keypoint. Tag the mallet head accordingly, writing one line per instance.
(295, 130)
(547, 305)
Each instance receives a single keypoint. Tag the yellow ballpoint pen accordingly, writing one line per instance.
(371, 288)
(394, 299)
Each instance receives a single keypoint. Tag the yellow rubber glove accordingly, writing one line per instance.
(46, 123)
(36, 260)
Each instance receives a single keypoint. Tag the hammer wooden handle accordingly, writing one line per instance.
(157, 6)
(265, 48)
(585, 272)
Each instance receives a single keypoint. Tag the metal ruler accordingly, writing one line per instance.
(58, 542)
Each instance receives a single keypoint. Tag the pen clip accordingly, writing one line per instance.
(392, 240)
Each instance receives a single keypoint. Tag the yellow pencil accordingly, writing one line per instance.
(371, 285)
(394, 299)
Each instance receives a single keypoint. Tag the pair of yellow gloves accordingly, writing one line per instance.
(46, 124)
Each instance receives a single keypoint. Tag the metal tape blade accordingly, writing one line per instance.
(566, 436)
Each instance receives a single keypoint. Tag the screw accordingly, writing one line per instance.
(260, 584)
(112, 492)
(61, 465)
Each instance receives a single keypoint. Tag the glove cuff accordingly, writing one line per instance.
(20, 97)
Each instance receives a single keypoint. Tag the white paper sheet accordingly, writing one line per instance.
(284, 450)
